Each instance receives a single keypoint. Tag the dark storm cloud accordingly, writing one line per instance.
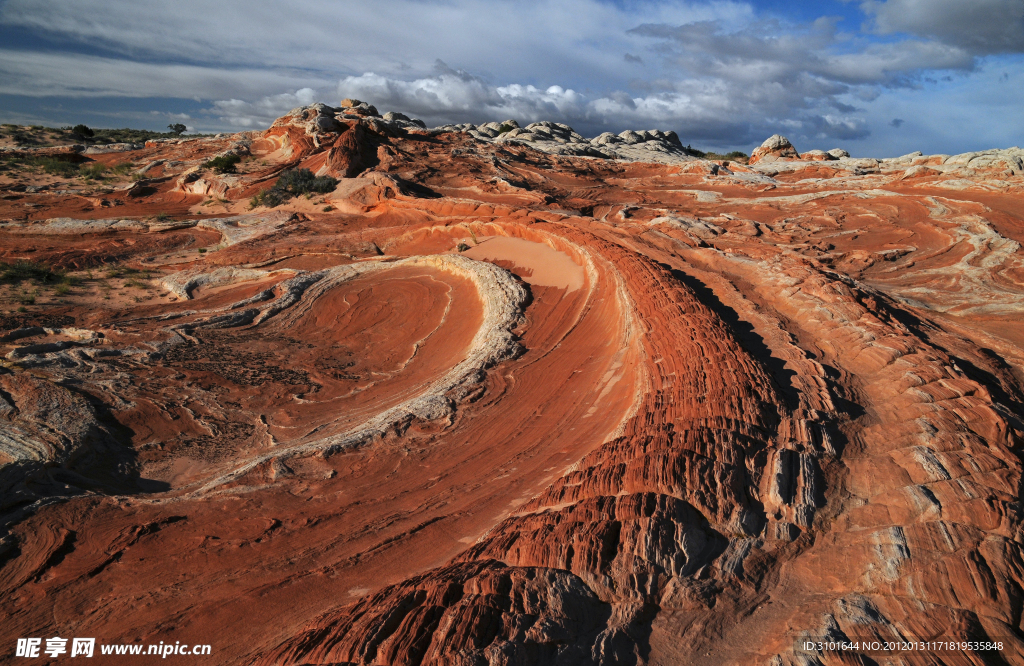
(720, 72)
(981, 27)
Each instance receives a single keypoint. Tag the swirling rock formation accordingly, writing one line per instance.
(509, 395)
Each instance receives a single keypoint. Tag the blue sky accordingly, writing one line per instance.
(877, 77)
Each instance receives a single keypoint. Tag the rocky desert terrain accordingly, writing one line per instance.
(501, 395)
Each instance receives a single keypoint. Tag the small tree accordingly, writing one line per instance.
(177, 128)
(82, 130)
(223, 164)
(293, 182)
(302, 181)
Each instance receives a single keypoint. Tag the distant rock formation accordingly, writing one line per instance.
(774, 148)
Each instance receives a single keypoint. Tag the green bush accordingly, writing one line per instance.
(735, 155)
(56, 167)
(127, 135)
(82, 130)
(223, 164)
(290, 183)
(270, 198)
(302, 181)
(23, 270)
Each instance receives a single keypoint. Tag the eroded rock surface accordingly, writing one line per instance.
(778, 147)
(509, 395)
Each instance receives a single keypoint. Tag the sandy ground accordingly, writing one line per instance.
(545, 266)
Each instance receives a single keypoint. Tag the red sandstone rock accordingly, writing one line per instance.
(816, 156)
(710, 414)
(774, 148)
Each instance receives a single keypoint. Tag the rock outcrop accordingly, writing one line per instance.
(776, 147)
(560, 139)
(510, 395)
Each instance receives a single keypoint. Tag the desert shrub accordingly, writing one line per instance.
(92, 171)
(177, 129)
(51, 165)
(461, 247)
(56, 167)
(293, 182)
(104, 136)
(270, 198)
(223, 163)
(23, 270)
(302, 181)
(82, 130)
(735, 156)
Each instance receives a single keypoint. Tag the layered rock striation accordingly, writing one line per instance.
(507, 395)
